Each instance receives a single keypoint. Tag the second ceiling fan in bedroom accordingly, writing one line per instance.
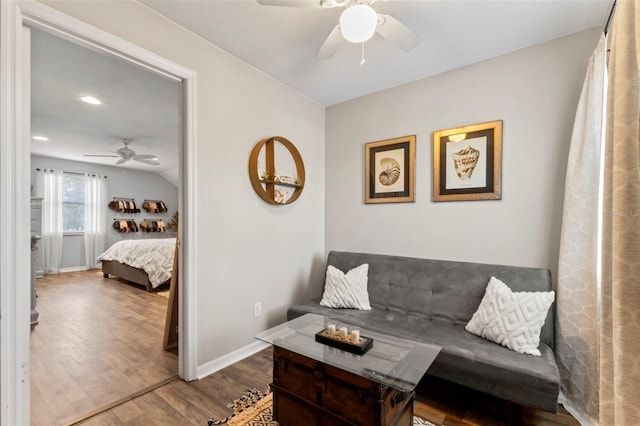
(358, 23)
(125, 154)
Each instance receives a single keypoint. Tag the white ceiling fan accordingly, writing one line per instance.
(125, 154)
(358, 23)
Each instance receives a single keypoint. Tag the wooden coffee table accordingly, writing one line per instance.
(317, 384)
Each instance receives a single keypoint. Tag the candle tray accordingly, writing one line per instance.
(342, 343)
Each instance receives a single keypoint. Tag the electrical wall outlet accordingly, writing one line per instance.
(257, 309)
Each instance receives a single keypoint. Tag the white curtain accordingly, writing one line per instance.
(578, 287)
(598, 289)
(51, 185)
(95, 206)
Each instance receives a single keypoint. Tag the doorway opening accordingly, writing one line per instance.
(17, 18)
(97, 339)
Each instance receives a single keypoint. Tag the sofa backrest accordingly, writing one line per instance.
(438, 289)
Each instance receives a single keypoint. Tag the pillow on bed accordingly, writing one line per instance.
(346, 290)
(512, 319)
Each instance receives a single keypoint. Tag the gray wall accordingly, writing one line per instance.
(534, 91)
(121, 183)
(248, 251)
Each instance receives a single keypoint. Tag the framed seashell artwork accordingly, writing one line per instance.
(389, 170)
(467, 163)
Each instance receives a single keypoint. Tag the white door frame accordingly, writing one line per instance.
(15, 146)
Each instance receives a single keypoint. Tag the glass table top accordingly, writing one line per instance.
(391, 361)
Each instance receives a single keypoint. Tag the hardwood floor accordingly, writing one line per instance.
(180, 403)
(97, 340)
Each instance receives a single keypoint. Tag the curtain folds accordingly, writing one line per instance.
(50, 183)
(95, 202)
(577, 294)
(598, 297)
(620, 324)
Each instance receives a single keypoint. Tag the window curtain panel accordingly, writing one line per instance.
(577, 289)
(51, 187)
(95, 206)
(620, 315)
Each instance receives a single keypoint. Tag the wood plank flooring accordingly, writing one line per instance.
(192, 403)
(180, 403)
(97, 340)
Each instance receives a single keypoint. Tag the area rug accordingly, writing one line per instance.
(254, 408)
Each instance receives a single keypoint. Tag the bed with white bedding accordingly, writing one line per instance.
(148, 262)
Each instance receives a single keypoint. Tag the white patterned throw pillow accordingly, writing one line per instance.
(346, 290)
(512, 319)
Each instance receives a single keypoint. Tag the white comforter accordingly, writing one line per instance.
(155, 256)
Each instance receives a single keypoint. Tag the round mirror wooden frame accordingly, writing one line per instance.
(266, 188)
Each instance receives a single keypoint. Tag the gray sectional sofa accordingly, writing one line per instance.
(432, 300)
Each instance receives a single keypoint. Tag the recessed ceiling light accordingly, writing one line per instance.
(90, 100)
(40, 138)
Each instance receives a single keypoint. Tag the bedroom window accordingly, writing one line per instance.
(73, 204)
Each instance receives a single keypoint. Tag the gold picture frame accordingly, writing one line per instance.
(390, 170)
(467, 163)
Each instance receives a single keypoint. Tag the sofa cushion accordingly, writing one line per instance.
(511, 318)
(488, 367)
(346, 290)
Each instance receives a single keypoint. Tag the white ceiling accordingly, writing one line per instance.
(136, 104)
(283, 41)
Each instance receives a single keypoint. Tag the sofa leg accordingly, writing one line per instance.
(105, 275)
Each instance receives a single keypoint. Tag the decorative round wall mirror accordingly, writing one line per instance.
(276, 170)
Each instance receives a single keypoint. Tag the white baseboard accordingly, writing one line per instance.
(230, 358)
(74, 269)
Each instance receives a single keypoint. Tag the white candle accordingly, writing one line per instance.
(343, 332)
(331, 329)
(355, 336)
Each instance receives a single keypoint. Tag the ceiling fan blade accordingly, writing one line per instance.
(96, 155)
(146, 161)
(331, 44)
(145, 156)
(314, 4)
(121, 161)
(397, 33)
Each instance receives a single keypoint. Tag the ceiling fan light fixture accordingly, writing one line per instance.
(358, 23)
